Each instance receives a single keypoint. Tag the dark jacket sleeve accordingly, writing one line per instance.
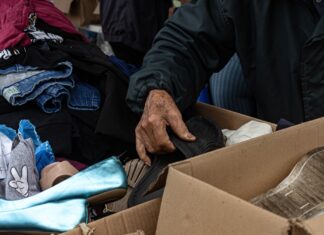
(197, 41)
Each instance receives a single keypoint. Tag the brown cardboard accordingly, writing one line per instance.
(226, 119)
(208, 194)
(97, 10)
(80, 12)
(142, 217)
(63, 5)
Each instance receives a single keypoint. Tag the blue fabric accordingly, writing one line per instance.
(44, 156)
(7, 131)
(27, 130)
(51, 99)
(283, 124)
(64, 205)
(204, 96)
(84, 97)
(20, 84)
(49, 88)
(127, 69)
(43, 152)
(46, 217)
(101, 177)
(229, 89)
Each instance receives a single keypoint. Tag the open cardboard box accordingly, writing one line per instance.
(210, 194)
(80, 12)
(225, 119)
(142, 217)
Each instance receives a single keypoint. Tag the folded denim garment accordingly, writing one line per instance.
(107, 176)
(82, 96)
(49, 88)
(57, 216)
(20, 84)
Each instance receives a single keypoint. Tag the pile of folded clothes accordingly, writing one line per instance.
(67, 87)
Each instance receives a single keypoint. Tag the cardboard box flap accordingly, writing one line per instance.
(210, 211)
(313, 226)
(63, 5)
(225, 118)
(227, 169)
(142, 217)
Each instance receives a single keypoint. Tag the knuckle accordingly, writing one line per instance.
(144, 125)
(153, 119)
(150, 149)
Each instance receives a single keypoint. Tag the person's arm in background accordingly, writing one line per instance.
(197, 41)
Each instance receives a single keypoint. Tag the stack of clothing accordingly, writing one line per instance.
(65, 86)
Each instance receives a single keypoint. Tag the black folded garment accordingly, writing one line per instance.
(208, 137)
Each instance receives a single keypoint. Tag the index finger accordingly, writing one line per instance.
(141, 151)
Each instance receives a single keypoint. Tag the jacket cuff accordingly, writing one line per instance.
(137, 93)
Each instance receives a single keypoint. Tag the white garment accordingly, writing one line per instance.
(5, 149)
(249, 130)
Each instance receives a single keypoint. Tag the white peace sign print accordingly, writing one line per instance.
(19, 183)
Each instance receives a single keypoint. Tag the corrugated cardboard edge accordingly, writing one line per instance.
(142, 217)
(313, 226)
(209, 210)
(226, 118)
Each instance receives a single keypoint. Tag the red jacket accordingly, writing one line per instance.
(14, 19)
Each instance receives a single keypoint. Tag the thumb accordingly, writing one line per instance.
(180, 129)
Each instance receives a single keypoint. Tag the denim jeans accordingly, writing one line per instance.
(49, 88)
(30, 82)
(81, 97)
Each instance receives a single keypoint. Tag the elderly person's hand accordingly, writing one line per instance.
(160, 111)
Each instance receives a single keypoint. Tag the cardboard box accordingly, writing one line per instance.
(80, 12)
(142, 217)
(210, 194)
(226, 119)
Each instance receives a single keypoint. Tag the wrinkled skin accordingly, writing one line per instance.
(160, 111)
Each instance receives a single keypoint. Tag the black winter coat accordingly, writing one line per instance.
(280, 44)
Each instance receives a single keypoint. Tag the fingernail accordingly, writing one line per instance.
(190, 136)
(148, 163)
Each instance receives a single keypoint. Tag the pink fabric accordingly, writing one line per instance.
(14, 19)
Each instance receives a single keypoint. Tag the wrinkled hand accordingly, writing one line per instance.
(160, 111)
